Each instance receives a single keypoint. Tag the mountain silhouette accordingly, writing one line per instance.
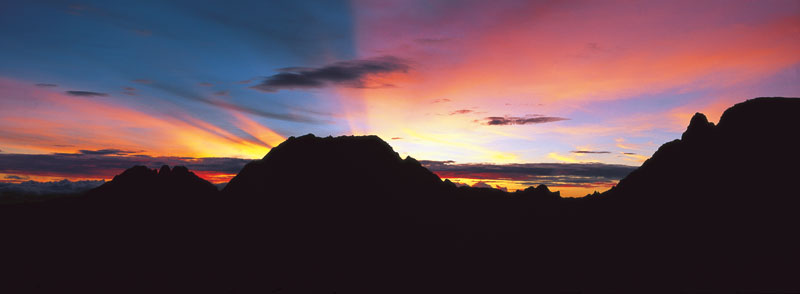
(139, 182)
(713, 211)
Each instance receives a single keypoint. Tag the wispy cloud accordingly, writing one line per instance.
(107, 152)
(45, 85)
(589, 152)
(462, 111)
(526, 120)
(86, 94)
(351, 73)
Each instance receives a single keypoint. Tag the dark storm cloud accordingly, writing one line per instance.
(44, 85)
(526, 120)
(86, 94)
(100, 163)
(351, 73)
(541, 172)
(590, 152)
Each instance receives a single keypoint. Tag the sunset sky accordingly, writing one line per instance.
(499, 93)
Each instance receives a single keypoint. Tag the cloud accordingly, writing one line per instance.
(590, 152)
(107, 152)
(629, 153)
(397, 138)
(222, 93)
(47, 188)
(551, 174)
(351, 73)
(16, 177)
(205, 84)
(44, 85)
(462, 111)
(526, 120)
(86, 94)
(443, 100)
(131, 91)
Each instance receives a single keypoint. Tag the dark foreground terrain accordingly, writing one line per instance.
(716, 211)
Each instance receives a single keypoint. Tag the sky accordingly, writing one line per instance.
(572, 94)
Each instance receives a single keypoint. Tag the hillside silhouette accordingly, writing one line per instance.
(713, 211)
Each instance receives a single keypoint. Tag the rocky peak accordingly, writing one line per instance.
(699, 128)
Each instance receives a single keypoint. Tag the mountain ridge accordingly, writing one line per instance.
(706, 212)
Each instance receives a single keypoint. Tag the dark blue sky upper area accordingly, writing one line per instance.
(176, 50)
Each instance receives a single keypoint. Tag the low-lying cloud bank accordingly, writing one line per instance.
(47, 188)
(531, 174)
(104, 164)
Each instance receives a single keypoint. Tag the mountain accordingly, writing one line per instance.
(139, 183)
(750, 154)
(713, 211)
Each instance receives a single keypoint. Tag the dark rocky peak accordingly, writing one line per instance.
(143, 181)
(539, 192)
(164, 171)
(699, 128)
(333, 164)
(136, 172)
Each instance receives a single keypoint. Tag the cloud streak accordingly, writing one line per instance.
(548, 173)
(530, 119)
(351, 73)
(462, 111)
(589, 152)
(106, 152)
(86, 94)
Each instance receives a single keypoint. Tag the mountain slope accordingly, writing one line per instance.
(750, 154)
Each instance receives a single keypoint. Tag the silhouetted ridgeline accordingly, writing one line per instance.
(715, 210)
